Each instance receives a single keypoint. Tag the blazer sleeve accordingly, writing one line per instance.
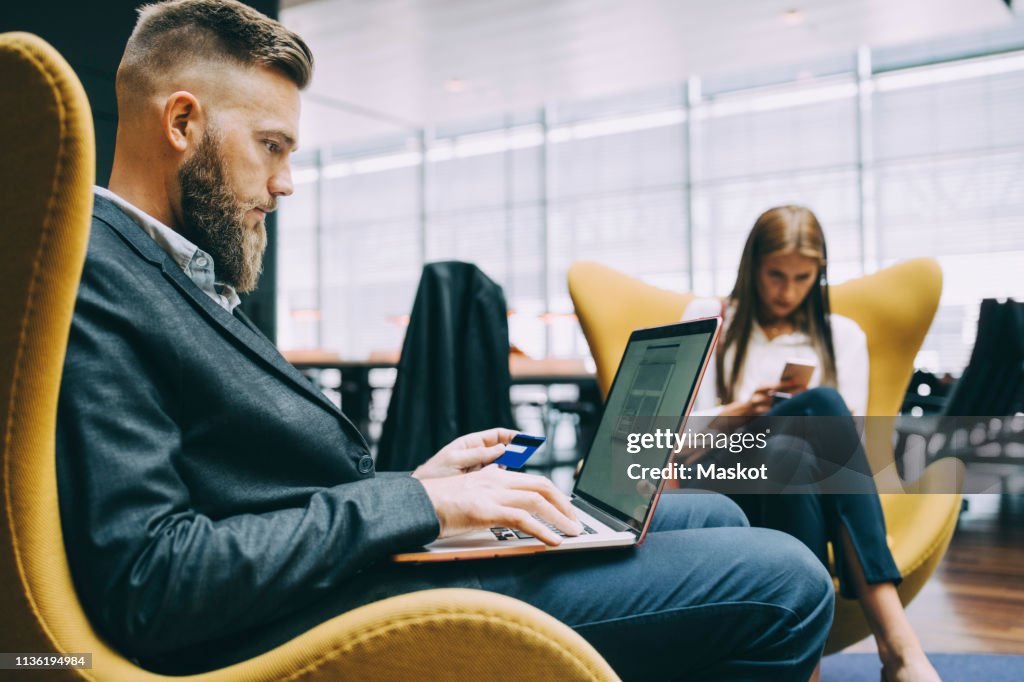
(153, 574)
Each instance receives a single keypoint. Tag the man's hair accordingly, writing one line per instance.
(176, 33)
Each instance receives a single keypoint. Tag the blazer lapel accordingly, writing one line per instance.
(248, 323)
(253, 341)
(242, 330)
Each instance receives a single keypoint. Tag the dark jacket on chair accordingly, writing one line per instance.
(206, 487)
(456, 352)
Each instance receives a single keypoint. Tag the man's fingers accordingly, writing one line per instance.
(535, 503)
(474, 458)
(492, 437)
(523, 520)
(541, 485)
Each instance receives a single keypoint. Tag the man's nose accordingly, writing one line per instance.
(280, 184)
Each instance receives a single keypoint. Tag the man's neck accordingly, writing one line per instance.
(143, 196)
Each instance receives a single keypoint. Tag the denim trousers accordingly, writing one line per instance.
(817, 519)
(705, 596)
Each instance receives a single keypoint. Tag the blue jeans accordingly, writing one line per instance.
(816, 519)
(705, 597)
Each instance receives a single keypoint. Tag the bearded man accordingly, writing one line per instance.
(215, 504)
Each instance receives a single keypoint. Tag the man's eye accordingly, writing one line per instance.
(272, 146)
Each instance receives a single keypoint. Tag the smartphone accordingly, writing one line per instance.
(519, 450)
(796, 375)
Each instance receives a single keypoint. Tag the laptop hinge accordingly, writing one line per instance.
(603, 516)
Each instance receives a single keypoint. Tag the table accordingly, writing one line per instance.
(357, 393)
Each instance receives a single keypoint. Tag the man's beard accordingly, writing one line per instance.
(215, 219)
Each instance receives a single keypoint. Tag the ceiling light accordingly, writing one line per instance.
(793, 17)
(454, 85)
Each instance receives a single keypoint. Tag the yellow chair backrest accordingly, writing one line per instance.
(895, 308)
(46, 185)
(610, 305)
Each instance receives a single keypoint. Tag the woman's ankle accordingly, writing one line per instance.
(899, 648)
(905, 659)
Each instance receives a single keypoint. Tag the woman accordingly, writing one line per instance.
(778, 311)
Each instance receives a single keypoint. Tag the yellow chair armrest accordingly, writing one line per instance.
(463, 634)
(921, 521)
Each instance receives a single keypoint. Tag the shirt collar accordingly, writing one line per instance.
(196, 263)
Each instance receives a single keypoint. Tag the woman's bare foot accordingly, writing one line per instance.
(908, 665)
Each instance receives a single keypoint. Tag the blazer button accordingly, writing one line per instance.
(365, 464)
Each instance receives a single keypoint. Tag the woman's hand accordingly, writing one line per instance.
(758, 403)
(466, 453)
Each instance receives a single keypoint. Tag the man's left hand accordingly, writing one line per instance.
(466, 453)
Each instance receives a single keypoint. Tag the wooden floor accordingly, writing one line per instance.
(975, 600)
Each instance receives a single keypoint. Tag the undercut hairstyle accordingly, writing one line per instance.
(180, 33)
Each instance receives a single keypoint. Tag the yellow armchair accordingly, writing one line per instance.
(46, 193)
(894, 307)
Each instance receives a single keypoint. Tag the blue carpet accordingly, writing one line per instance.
(951, 667)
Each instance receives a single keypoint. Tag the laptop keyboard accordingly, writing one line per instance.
(503, 533)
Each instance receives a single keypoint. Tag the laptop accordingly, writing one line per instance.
(656, 382)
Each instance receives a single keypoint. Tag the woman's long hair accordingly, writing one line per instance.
(784, 229)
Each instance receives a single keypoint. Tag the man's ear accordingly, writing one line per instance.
(182, 120)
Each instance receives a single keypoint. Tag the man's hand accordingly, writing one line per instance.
(496, 497)
(465, 454)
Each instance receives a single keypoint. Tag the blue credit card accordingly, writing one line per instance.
(520, 450)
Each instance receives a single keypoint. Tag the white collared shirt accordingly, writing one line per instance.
(767, 358)
(196, 263)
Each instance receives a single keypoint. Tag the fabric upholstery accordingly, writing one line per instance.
(45, 184)
(45, 187)
(894, 307)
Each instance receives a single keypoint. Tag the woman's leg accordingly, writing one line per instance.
(898, 645)
(855, 525)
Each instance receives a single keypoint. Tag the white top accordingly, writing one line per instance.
(766, 360)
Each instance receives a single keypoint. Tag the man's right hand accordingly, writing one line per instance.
(496, 497)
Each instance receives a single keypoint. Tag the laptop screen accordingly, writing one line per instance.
(657, 376)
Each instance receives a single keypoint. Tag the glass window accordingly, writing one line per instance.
(930, 166)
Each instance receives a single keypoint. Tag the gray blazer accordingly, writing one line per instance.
(206, 487)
